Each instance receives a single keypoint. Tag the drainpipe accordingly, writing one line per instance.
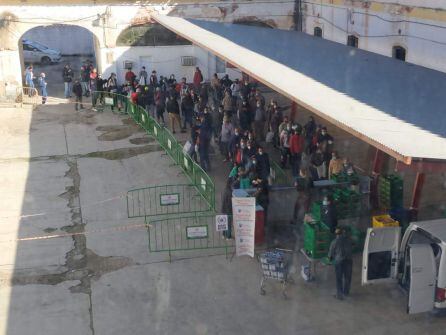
(297, 15)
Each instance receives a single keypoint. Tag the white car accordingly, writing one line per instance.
(417, 263)
(35, 52)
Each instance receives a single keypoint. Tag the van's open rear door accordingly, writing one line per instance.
(423, 274)
(380, 256)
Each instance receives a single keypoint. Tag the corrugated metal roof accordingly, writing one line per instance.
(395, 106)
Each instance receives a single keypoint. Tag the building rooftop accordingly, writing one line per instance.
(398, 107)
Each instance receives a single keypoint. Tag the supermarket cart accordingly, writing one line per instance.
(275, 265)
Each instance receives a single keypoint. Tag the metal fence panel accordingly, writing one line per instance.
(164, 200)
(186, 233)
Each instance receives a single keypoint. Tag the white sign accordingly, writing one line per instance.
(108, 101)
(169, 144)
(169, 199)
(244, 218)
(155, 130)
(186, 163)
(143, 118)
(196, 232)
(203, 184)
(221, 222)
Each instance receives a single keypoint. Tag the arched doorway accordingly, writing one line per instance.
(49, 48)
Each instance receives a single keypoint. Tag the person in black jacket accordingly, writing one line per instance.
(174, 113)
(263, 166)
(77, 90)
(187, 109)
(68, 75)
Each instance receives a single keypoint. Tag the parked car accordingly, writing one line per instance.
(417, 262)
(35, 52)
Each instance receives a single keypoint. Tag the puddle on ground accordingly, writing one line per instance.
(91, 265)
(119, 132)
(141, 140)
(123, 153)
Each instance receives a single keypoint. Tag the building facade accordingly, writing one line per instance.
(410, 30)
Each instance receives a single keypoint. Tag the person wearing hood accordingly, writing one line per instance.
(42, 86)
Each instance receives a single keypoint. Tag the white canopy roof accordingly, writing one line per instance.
(394, 106)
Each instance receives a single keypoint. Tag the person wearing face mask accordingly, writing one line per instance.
(250, 148)
(241, 156)
(263, 165)
(251, 167)
(325, 142)
(328, 214)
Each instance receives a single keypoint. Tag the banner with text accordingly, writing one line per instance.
(244, 218)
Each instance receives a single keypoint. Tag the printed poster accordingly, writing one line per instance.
(244, 217)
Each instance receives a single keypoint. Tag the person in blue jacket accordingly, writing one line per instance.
(42, 87)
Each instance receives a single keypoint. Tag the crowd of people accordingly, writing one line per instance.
(233, 113)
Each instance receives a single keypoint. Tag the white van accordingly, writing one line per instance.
(35, 52)
(417, 263)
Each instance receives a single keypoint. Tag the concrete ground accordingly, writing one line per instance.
(67, 172)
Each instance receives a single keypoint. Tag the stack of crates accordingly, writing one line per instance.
(317, 238)
(347, 203)
(316, 210)
(390, 189)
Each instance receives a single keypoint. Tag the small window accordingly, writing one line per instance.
(399, 52)
(27, 47)
(352, 41)
(318, 31)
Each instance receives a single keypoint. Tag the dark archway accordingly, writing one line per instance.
(252, 22)
(49, 48)
(152, 34)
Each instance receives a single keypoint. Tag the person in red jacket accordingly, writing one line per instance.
(297, 145)
(130, 76)
(198, 78)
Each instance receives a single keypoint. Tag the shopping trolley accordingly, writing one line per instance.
(276, 265)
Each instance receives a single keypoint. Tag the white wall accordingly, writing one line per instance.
(70, 40)
(10, 69)
(424, 42)
(165, 60)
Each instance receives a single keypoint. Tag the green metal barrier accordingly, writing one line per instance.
(172, 146)
(200, 179)
(278, 176)
(204, 184)
(186, 233)
(165, 200)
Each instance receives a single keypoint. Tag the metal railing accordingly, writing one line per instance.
(197, 176)
(164, 200)
(27, 96)
(183, 233)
